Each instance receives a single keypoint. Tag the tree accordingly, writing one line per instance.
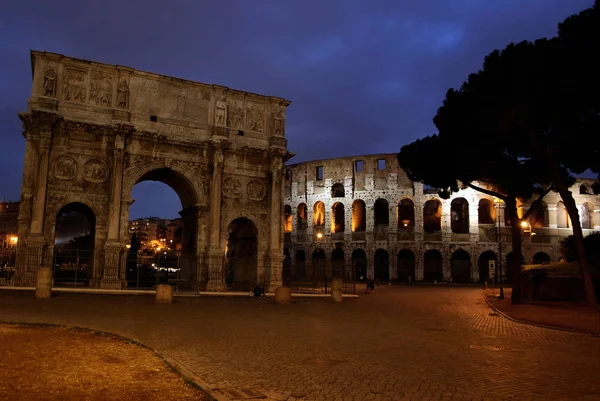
(452, 160)
(510, 118)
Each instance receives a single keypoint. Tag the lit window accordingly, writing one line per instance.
(358, 165)
(381, 164)
(319, 173)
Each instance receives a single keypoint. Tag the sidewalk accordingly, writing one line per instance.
(564, 315)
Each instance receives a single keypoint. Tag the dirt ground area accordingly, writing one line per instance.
(568, 315)
(47, 363)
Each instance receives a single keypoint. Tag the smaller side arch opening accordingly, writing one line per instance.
(74, 245)
(242, 254)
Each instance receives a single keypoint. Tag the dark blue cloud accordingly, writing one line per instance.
(363, 77)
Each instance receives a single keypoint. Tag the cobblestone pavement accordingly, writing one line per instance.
(402, 343)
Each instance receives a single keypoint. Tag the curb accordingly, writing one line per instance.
(189, 377)
(544, 326)
(230, 294)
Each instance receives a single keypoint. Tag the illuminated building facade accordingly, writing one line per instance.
(365, 213)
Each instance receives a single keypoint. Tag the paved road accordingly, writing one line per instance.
(402, 343)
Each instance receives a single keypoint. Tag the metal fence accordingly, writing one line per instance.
(8, 257)
(147, 270)
(72, 267)
(316, 278)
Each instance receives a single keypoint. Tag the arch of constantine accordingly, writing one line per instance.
(364, 212)
(95, 130)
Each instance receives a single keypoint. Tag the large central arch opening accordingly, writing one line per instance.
(241, 255)
(74, 245)
(162, 232)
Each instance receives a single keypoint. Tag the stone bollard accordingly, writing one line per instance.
(164, 294)
(336, 290)
(283, 295)
(43, 283)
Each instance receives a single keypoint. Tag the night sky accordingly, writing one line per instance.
(363, 77)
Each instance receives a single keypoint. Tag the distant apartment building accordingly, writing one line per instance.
(9, 219)
(150, 231)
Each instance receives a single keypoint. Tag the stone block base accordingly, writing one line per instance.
(43, 283)
(164, 294)
(336, 290)
(283, 295)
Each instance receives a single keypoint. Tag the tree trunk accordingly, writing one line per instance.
(586, 277)
(567, 198)
(515, 264)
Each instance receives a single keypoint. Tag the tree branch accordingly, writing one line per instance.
(537, 202)
(488, 192)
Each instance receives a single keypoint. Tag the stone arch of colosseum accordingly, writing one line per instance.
(93, 131)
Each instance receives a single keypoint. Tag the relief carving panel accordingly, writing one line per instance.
(255, 117)
(74, 85)
(232, 187)
(101, 89)
(235, 115)
(95, 170)
(256, 190)
(64, 168)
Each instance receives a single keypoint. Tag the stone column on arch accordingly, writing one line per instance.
(275, 241)
(25, 272)
(114, 268)
(215, 255)
(202, 234)
(30, 254)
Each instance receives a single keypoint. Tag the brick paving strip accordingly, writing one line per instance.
(552, 314)
(403, 343)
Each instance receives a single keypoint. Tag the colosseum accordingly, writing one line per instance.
(364, 218)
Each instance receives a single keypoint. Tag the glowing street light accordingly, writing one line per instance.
(128, 246)
(319, 235)
(14, 240)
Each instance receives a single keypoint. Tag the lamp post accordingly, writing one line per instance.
(528, 229)
(499, 238)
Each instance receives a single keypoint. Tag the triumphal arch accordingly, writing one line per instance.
(94, 130)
